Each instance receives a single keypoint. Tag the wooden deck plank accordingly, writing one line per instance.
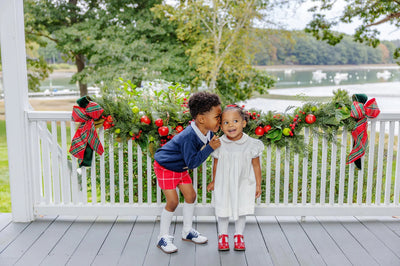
(90, 245)
(381, 231)
(42, 247)
(300, 243)
(10, 233)
(5, 219)
(325, 245)
(25, 239)
(68, 243)
(207, 254)
(277, 244)
(370, 242)
(136, 247)
(348, 244)
(115, 242)
(186, 250)
(392, 222)
(154, 255)
(256, 251)
(232, 257)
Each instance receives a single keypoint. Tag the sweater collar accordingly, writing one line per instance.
(204, 138)
(242, 140)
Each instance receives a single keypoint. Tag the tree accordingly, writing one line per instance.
(110, 39)
(220, 39)
(370, 13)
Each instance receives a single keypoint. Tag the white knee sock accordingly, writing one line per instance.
(223, 225)
(165, 222)
(187, 212)
(240, 224)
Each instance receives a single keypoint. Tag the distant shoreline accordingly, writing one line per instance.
(327, 67)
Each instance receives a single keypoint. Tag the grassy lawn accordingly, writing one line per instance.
(5, 202)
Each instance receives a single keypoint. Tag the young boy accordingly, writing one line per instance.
(187, 150)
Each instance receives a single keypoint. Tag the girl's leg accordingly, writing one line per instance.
(168, 212)
(240, 224)
(223, 225)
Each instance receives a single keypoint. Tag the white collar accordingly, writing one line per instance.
(242, 140)
(203, 138)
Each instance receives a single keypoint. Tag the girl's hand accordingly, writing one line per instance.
(210, 186)
(258, 191)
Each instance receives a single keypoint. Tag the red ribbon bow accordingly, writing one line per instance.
(360, 112)
(86, 133)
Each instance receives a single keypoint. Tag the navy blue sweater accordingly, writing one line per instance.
(185, 151)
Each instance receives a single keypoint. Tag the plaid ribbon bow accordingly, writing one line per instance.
(360, 112)
(86, 134)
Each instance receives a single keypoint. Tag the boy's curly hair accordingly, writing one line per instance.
(202, 102)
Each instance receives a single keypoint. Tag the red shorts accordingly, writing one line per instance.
(168, 179)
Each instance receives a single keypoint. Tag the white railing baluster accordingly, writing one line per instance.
(121, 182)
(388, 187)
(66, 175)
(140, 174)
(286, 177)
(268, 176)
(371, 161)
(46, 166)
(111, 166)
(130, 172)
(360, 182)
(93, 178)
(37, 175)
(195, 182)
(204, 183)
(314, 168)
(54, 163)
(324, 163)
(305, 167)
(350, 186)
(84, 185)
(380, 163)
(397, 174)
(295, 177)
(343, 153)
(277, 174)
(74, 176)
(102, 170)
(332, 179)
(149, 194)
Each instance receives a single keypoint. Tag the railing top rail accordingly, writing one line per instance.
(66, 116)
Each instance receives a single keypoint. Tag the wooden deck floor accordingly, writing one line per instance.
(132, 241)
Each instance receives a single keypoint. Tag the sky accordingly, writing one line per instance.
(296, 18)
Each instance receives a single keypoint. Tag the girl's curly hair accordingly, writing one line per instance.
(243, 114)
(202, 102)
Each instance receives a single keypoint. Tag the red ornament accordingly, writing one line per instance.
(159, 122)
(310, 119)
(267, 128)
(145, 120)
(163, 131)
(259, 131)
(179, 129)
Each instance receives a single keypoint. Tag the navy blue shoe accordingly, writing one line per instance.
(194, 236)
(166, 245)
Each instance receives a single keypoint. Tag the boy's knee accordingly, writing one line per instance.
(191, 198)
(171, 205)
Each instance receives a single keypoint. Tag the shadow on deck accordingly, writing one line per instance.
(281, 240)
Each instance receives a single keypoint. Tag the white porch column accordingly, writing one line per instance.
(13, 55)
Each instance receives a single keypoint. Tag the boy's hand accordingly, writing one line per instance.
(215, 142)
(258, 191)
(210, 186)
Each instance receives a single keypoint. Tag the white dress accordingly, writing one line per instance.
(235, 182)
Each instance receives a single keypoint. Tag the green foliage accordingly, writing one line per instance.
(370, 13)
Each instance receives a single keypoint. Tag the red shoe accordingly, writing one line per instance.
(223, 242)
(239, 243)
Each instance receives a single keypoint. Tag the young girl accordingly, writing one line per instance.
(236, 176)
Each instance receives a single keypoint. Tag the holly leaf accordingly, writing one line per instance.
(274, 134)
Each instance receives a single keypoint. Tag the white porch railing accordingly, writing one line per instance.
(317, 182)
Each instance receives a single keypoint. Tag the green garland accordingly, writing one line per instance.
(132, 113)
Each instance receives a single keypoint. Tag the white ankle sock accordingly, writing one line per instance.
(165, 222)
(223, 225)
(187, 212)
(240, 224)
